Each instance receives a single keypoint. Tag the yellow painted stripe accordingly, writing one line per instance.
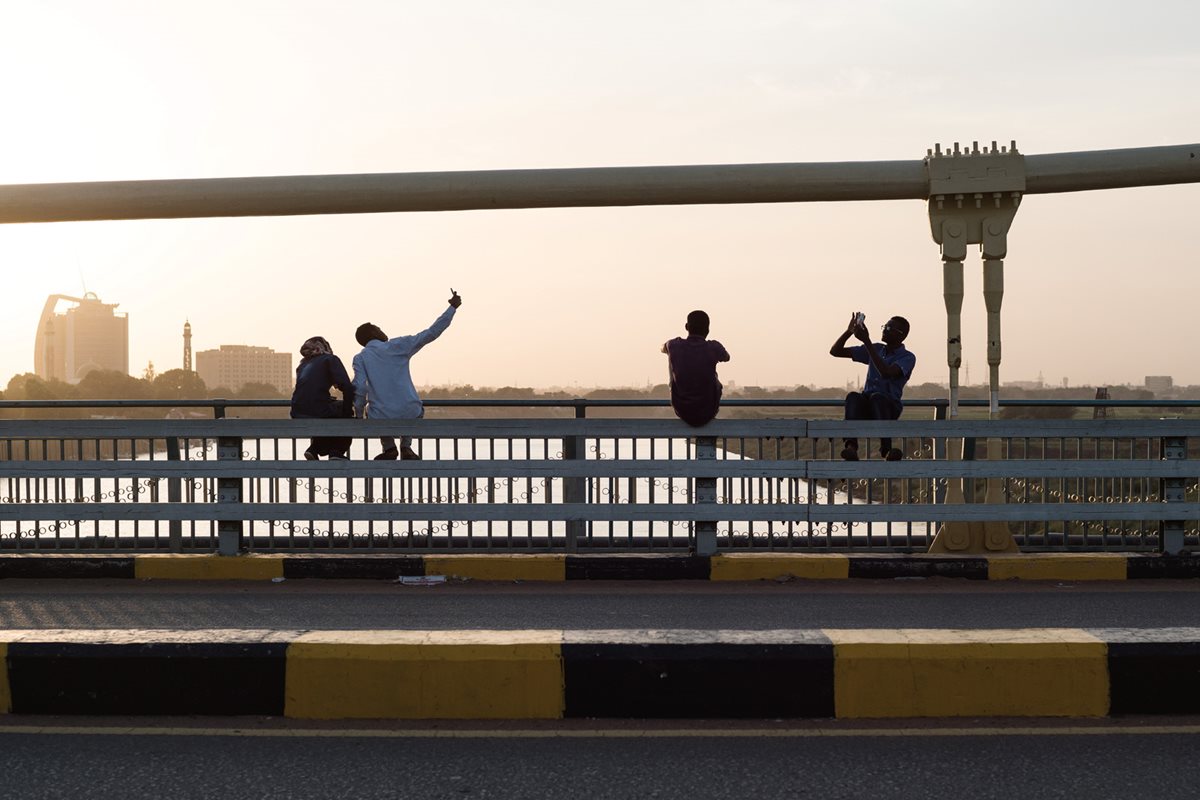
(5, 692)
(425, 675)
(763, 566)
(1005, 673)
(169, 566)
(497, 567)
(1058, 567)
(1119, 729)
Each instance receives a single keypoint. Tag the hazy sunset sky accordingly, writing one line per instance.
(1097, 284)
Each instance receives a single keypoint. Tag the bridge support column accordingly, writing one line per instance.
(229, 490)
(996, 537)
(952, 294)
(973, 198)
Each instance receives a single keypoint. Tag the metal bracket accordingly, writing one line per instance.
(973, 196)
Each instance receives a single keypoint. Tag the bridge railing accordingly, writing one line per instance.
(570, 484)
(219, 408)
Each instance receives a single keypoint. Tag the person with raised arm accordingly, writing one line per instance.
(382, 381)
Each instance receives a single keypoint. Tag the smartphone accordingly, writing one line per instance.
(859, 318)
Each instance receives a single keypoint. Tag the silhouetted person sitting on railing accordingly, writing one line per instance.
(319, 370)
(695, 389)
(383, 381)
(889, 366)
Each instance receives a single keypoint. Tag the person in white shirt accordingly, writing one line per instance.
(383, 385)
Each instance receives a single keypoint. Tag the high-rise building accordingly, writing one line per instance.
(235, 365)
(87, 336)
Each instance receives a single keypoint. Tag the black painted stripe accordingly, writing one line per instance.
(710, 680)
(1154, 677)
(225, 678)
(637, 567)
(355, 567)
(918, 567)
(1162, 566)
(65, 567)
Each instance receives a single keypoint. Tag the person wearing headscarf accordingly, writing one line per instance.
(319, 371)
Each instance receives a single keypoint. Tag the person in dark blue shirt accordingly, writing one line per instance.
(319, 370)
(889, 366)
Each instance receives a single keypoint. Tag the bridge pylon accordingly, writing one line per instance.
(973, 198)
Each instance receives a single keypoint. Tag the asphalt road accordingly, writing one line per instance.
(351, 605)
(234, 759)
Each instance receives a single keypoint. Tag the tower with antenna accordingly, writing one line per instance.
(187, 346)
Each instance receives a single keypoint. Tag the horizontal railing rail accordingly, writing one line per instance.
(581, 404)
(590, 427)
(574, 483)
(821, 470)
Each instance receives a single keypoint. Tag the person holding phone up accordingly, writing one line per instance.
(889, 366)
(383, 384)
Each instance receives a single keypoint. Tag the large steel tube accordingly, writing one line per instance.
(560, 188)
(459, 191)
(1112, 169)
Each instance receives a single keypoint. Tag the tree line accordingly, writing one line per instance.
(100, 384)
(179, 384)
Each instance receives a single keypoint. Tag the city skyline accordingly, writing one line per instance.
(562, 297)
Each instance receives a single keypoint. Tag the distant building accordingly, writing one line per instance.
(235, 365)
(1159, 383)
(187, 346)
(89, 335)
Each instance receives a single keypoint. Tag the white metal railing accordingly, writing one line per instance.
(564, 484)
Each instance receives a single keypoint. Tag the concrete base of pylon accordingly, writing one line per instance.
(959, 538)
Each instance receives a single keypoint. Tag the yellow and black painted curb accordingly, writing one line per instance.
(553, 674)
(732, 566)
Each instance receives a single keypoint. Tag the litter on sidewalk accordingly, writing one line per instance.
(420, 580)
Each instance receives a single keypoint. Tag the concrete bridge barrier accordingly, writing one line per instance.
(555, 674)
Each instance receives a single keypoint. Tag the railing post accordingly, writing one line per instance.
(706, 496)
(174, 495)
(939, 452)
(1174, 490)
(575, 489)
(229, 490)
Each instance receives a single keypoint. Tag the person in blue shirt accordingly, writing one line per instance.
(320, 370)
(889, 366)
(382, 379)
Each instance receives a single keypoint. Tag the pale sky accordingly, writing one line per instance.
(1097, 284)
